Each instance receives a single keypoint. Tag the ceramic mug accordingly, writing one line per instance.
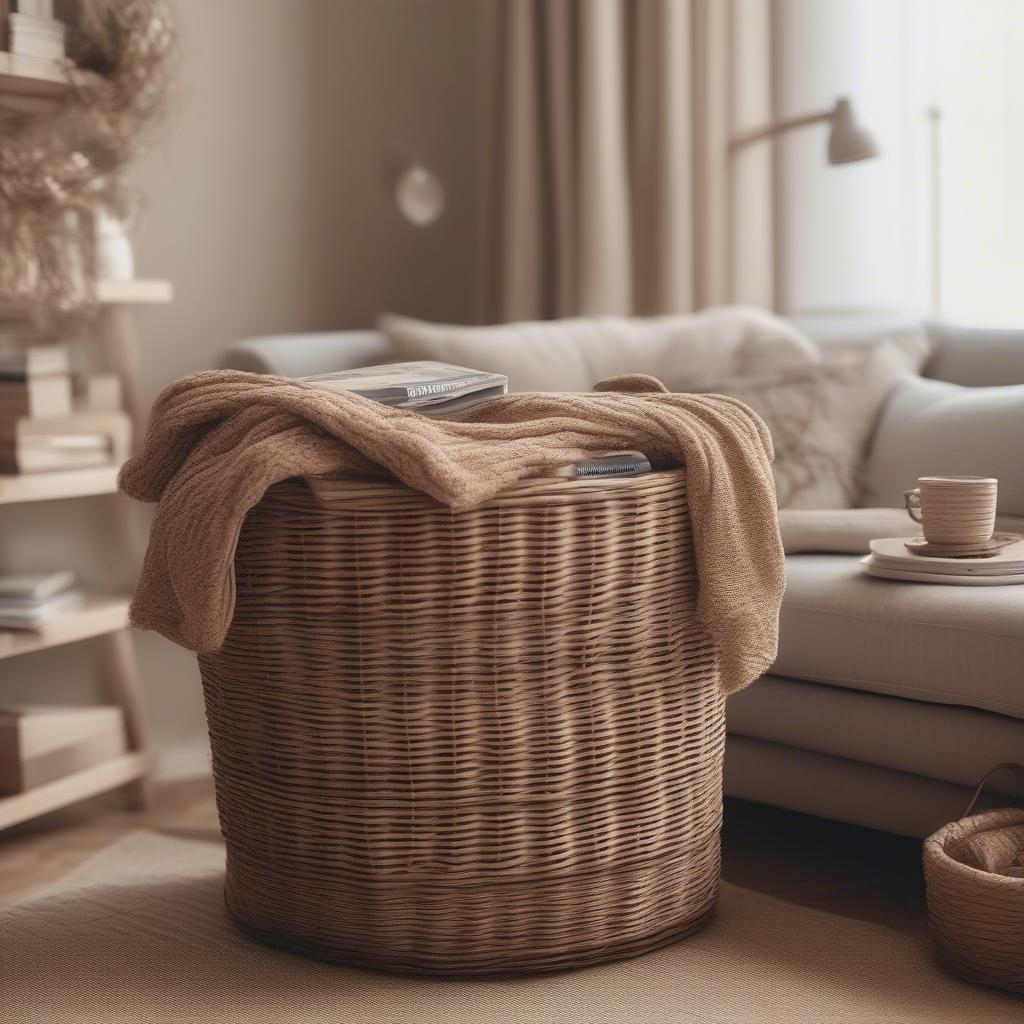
(954, 509)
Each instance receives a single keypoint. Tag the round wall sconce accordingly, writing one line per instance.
(419, 194)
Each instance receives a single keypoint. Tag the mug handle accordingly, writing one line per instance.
(912, 502)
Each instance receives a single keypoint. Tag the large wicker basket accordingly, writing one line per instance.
(487, 741)
(974, 878)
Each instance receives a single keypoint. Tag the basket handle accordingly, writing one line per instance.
(988, 775)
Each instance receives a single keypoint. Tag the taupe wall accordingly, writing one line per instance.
(265, 203)
(413, 74)
(266, 196)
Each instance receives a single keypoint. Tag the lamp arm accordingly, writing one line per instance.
(778, 127)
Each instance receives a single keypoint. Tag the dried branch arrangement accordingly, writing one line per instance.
(58, 170)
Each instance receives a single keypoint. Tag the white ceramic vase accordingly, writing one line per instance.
(115, 260)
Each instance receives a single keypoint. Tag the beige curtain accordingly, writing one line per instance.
(616, 192)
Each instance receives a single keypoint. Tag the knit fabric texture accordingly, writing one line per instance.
(217, 440)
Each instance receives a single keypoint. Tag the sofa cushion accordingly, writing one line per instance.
(909, 339)
(932, 428)
(954, 744)
(843, 790)
(951, 645)
(574, 354)
(821, 417)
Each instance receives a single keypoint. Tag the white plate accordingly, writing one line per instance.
(891, 551)
(887, 572)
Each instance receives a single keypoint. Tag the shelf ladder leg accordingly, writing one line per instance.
(117, 342)
(121, 679)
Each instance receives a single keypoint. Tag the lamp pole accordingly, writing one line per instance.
(935, 207)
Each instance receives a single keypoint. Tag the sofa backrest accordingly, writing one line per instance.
(302, 355)
(971, 356)
(975, 357)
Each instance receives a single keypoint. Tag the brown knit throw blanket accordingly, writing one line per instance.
(218, 440)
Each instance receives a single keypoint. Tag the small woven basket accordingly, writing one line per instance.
(974, 879)
(475, 742)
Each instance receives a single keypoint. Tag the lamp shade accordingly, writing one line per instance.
(848, 141)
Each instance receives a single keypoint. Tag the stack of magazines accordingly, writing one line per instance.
(432, 389)
(31, 600)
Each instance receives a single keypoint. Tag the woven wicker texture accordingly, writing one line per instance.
(973, 874)
(469, 742)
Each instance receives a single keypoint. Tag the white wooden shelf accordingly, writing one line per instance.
(116, 772)
(72, 483)
(33, 84)
(29, 85)
(137, 292)
(101, 614)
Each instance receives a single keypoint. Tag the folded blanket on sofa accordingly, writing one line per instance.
(851, 530)
(218, 440)
(844, 530)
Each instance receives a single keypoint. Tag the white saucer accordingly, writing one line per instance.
(889, 572)
(986, 549)
(892, 552)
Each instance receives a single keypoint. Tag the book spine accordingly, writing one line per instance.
(36, 359)
(15, 401)
(38, 397)
(442, 387)
(14, 404)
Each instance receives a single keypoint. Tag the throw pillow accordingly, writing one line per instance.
(821, 418)
(934, 428)
(911, 341)
(574, 354)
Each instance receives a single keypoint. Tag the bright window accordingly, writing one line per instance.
(976, 72)
(936, 225)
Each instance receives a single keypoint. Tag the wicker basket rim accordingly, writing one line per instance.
(985, 821)
(977, 824)
(335, 487)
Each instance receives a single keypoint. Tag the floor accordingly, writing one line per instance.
(842, 869)
(838, 868)
(41, 851)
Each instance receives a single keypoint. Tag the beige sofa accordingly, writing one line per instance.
(888, 700)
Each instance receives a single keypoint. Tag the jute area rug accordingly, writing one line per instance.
(140, 934)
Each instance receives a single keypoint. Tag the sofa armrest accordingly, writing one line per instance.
(976, 356)
(302, 355)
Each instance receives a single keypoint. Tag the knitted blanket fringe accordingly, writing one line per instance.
(217, 440)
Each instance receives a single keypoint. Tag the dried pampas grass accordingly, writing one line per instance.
(57, 170)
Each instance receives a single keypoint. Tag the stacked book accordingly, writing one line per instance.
(39, 428)
(891, 559)
(34, 32)
(43, 743)
(31, 600)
